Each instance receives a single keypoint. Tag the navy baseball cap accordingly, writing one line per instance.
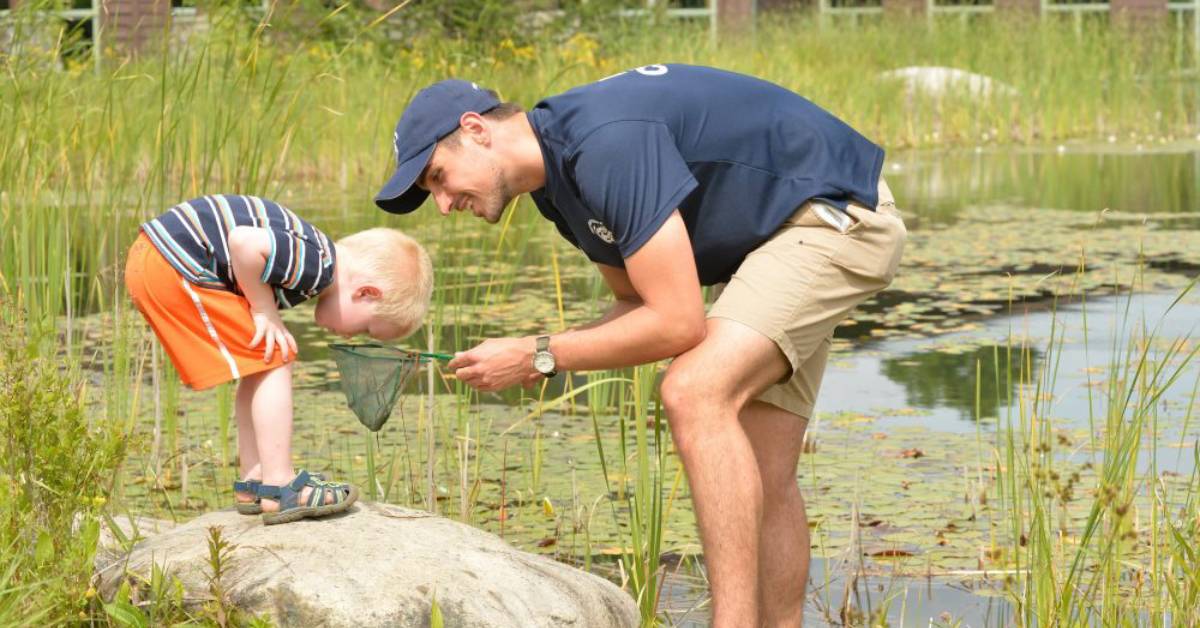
(432, 115)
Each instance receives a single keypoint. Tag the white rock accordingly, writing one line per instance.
(32, 40)
(938, 81)
(376, 565)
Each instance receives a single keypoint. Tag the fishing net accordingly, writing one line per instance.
(372, 378)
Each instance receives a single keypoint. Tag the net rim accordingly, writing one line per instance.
(392, 353)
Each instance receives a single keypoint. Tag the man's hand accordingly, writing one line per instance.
(497, 363)
(269, 328)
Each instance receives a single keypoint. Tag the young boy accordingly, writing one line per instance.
(210, 276)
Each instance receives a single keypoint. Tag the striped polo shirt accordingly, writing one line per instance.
(194, 238)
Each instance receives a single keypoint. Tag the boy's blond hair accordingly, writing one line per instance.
(403, 270)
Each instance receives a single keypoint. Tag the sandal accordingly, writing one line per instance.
(248, 486)
(251, 486)
(288, 496)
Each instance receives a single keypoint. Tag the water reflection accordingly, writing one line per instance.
(939, 185)
(948, 379)
(937, 376)
(838, 597)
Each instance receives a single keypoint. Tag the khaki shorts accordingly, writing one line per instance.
(797, 286)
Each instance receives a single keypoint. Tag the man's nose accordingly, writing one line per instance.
(442, 198)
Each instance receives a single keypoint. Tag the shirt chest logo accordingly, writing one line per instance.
(600, 231)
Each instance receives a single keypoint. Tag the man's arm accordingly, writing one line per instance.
(659, 314)
(625, 297)
(659, 311)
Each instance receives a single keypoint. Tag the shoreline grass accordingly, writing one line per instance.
(1100, 572)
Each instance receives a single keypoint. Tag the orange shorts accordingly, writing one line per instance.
(206, 332)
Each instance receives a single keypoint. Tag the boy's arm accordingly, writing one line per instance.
(249, 248)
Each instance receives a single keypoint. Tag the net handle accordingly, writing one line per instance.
(374, 345)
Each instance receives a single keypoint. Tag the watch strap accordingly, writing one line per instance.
(543, 346)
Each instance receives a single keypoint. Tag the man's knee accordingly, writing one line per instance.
(692, 402)
(687, 387)
(780, 486)
(679, 392)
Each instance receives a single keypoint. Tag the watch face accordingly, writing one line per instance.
(543, 361)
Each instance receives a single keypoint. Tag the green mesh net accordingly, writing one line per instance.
(373, 376)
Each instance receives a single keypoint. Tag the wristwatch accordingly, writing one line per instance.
(543, 360)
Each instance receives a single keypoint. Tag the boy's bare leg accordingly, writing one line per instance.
(248, 465)
(776, 436)
(271, 412)
(271, 418)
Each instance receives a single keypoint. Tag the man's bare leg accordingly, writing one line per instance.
(776, 436)
(703, 391)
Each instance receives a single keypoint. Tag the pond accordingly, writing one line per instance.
(1012, 254)
(899, 388)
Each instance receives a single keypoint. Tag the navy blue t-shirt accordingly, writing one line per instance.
(735, 154)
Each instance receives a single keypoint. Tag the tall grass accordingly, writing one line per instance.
(646, 503)
(241, 107)
(1131, 561)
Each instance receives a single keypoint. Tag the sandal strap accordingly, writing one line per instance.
(317, 496)
(288, 495)
(301, 480)
(246, 486)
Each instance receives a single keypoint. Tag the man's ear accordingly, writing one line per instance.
(475, 127)
(369, 292)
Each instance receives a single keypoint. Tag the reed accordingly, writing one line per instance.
(1128, 561)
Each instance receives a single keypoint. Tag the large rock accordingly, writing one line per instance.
(124, 529)
(376, 565)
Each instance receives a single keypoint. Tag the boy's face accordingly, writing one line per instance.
(350, 311)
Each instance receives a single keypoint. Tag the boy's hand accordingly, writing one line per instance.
(249, 248)
(269, 327)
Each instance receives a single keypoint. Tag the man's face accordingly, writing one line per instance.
(465, 175)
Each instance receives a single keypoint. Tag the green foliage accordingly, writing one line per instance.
(56, 469)
(15, 609)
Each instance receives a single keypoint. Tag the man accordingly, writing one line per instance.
(670, 177)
